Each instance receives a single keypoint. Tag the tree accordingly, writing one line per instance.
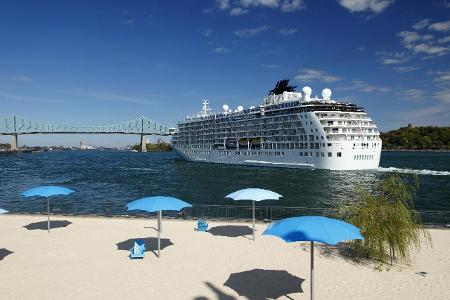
(389, 224)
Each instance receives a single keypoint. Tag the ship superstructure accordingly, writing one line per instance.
(289, 129)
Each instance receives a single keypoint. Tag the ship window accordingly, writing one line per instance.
(329, 144)
(310, 154)
(322, 154)
(301, 153)
(339, 154)
(317, 154)
(330, 154)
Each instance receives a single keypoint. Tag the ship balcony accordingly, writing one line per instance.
(348, 125)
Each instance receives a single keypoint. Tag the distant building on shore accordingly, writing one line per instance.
(86, 146)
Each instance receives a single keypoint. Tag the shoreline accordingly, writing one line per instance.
(412, 150)
(180, 219)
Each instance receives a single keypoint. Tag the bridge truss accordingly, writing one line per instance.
(14, 125)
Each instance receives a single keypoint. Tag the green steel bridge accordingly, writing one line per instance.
(15, 126)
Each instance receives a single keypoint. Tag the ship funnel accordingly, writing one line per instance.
(326, 94)
(307, 93)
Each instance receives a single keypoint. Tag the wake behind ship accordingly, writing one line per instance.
(289, 129)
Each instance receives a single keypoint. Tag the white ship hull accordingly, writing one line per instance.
(351, 158)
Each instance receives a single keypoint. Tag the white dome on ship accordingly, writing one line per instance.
(225, 107)
(240, 108)
(326, 94)
(307, 91)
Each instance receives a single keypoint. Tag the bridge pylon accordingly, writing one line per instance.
(143, 143)
(14, 142)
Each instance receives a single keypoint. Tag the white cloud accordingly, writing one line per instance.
(413, 94)
(432, 50)
(310, 75)
(391, 61)
(22, 78)
(250, 32)
(441, 76)
(392, 58)
(221, 50)
(238, 11)
(363, 86)
(421, 24)
(404, 69)
(444, 40)
(128, 21)
(273, 66)
(15, 97)
(442, 96)
(292, 5)
(240, 7)
(427, 37)
(223, 4)
(441, 26)
(372, 6)
(437, 114)
(422, 44)
(288, 31)
(207, 32)
(408, 38)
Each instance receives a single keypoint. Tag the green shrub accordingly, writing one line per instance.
(387, 219)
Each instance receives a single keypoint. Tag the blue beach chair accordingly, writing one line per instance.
(202, 225)
(138, 251)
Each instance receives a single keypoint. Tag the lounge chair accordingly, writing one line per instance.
(138, 251)
(202, 225)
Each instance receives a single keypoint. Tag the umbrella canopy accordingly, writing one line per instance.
(313, 229)
(47, 191)
(254, 194)
(3, 211)
(158, 204)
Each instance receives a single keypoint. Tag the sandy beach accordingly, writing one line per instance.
(86, 258)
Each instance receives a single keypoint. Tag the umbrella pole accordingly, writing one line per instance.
(253, 214)
(159, 232)
(312, 270)
(48, 215)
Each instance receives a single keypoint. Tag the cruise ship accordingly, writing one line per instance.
(289, 129)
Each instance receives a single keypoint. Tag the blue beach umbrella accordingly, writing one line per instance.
(158, 204)
(254, 194)
(3, 211)
(313, 229)
(47, 191)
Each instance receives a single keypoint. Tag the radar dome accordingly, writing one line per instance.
(240, 108)
(326, 94)
(225, 107)
(307, 92)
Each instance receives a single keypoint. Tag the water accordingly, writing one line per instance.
(102, 178)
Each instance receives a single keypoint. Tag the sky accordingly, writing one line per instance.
(105, 62)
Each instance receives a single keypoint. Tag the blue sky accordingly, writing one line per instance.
(101, 62)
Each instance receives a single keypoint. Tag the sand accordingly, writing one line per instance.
(82, 261)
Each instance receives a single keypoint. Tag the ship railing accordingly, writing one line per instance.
(213, 212)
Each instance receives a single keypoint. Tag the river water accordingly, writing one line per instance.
(117, 177)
